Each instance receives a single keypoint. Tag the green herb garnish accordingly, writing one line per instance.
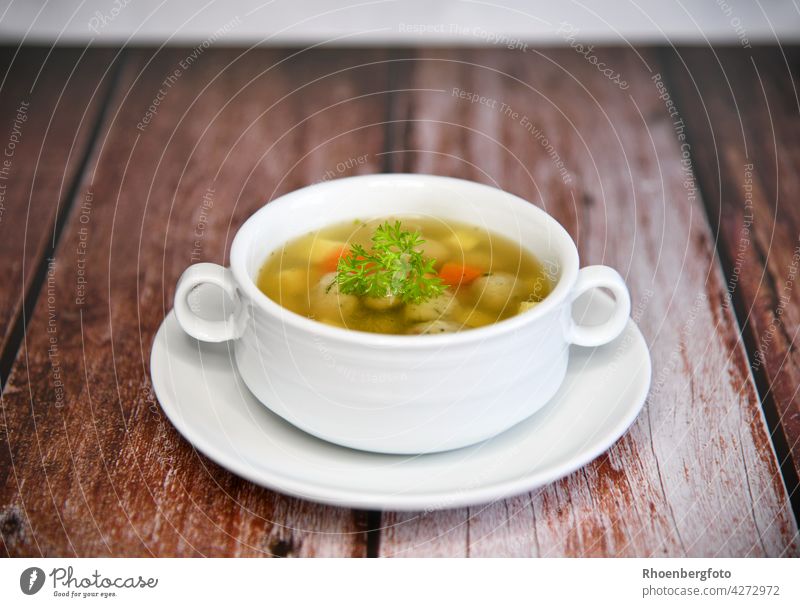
(394, 267)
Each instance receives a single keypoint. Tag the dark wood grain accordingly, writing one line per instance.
(100, 471)
(742, 109)
(93, 468)
(696, 474)
(49, 104)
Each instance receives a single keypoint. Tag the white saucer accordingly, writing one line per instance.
(204, 397)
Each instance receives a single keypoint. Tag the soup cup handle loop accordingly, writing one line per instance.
(194, 325)
(592, 277)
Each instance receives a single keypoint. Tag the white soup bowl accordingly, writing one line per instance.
(401, 393)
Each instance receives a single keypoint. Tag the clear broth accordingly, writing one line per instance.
(298, 276)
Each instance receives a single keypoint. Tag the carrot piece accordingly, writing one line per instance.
(456, 274)
(331, 262)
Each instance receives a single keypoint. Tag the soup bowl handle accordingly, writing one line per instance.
(592, 277)
(202, 328)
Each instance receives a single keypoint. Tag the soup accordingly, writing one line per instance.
(404, 275)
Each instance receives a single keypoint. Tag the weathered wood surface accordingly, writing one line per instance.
(743, 110)
(48, 108)
(100, 471)
(696, 474)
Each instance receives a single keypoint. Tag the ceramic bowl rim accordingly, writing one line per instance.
(567, 252)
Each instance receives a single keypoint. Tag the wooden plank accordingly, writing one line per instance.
(696, 474)
(744, 103)
(48, 105)
(101, 472)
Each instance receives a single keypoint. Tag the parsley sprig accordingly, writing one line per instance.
(395, 266)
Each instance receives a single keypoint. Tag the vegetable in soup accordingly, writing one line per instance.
(407, 275)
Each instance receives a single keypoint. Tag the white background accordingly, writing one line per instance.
(377, 22)
(388, 582)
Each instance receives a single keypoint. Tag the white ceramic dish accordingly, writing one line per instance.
(203, 395)
(401, 393)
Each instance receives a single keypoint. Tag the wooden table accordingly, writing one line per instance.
(682, 173)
